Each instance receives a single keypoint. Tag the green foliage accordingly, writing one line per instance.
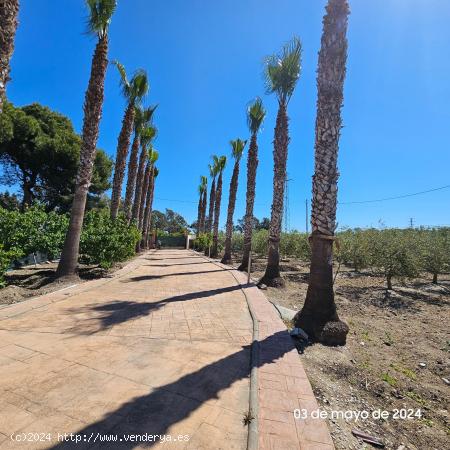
(100, 13)
(255, 115)
(33, 231)
(435, 250)
(237, 147)
(260, 242)
(296, 245)
(283, 70)
(170, 222)
(40, 150)
(6, 257)
(204, 241)
(105, 241)
(353, 249)
(136, 89)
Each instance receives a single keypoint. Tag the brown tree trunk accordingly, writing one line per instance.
(149, 226)
(148, 209)
(210, 218)
(29, 182)
(218, 200)
(9, 10)
(272, 275)
(231, 205)
(318, 316)
(132, 174)
(121, 159)
(139, 185)
(199, 213)
(435, 278)
(252, 166)
(145, 188)
(93, 105)
(389, 282)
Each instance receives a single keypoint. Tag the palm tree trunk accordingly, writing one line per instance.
(148, 209)
(139, 183)
(272, 275)
(212, 200)
(149, 225)
(218, 199)
(121, 159)
(318, 316)
(132, 174)
(93, 105)
(231, 205)
(204, 204)
(199, 213)
(9, 10)
(210, 218)
(252, 165)
(145, 188)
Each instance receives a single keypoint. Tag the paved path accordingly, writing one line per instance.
(161, 348)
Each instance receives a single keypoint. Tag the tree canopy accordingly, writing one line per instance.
(40, 151)
(169, 222)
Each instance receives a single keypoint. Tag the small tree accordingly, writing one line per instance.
(435, 249)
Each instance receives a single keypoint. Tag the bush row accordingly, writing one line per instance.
(103, 241)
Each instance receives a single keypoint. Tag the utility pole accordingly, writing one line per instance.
(411, 222)
(307, 216)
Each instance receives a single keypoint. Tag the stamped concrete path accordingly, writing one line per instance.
(164, 347)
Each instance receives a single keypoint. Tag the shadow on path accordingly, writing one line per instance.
(117, 312)
(155, 277)
(164, 406)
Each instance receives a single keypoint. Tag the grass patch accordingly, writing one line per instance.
(405, 371)
(389, 379)
(416, 397)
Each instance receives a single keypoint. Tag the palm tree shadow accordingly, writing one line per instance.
(154, 277)
(117, 312)
(164, 406)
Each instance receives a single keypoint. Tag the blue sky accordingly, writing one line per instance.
(205, 63)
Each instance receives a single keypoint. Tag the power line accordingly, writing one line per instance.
(395, 198)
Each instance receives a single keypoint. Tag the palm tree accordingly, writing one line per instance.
(237, 149)
(101, 12)
(142, 117)
(9, 10)
(134, 91)
(201, 190)
(282, 74)
(155, 174)
(255, 117)
(221, 163)
(319, 316)
(147, 135)
(213, 171)
(152, 158)
(203, 205)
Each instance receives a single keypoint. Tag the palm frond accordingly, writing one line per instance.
(237, 147)
(142, 117)
(153, 155)
(221, 163)
(148, 134)
(204, 181)
(283, 70)
(123, 83)
(155, 172)
(100, 14)
(138, 86)
(255, 115)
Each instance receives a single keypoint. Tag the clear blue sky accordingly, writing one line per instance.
(204, 59)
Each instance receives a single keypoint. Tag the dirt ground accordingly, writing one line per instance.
(396, 357)
(32, 281)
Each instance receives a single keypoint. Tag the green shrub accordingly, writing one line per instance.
(260, 242)
(6, 257)
(105, 241)
(353, 248)
(203, 241)
(435, 250)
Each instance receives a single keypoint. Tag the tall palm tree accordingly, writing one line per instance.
(152, 158)
(142, 117)
(155, 174)
(100, 14)
(213, 171)
(319, 317)
(221, 163)
(134, 91)
(201, 190)
(9, 10)
(203, 205)
(237, 149)
(255, 117)
(282, 74)
(147, 135)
